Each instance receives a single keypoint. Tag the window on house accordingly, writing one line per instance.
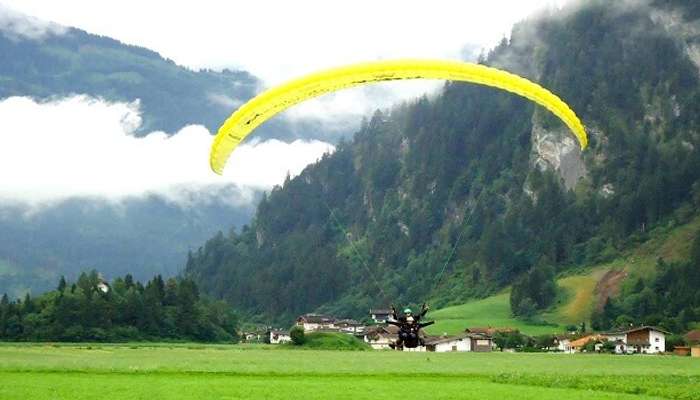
(657, 347)
(656, 340)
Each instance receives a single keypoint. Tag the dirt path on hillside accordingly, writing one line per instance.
(609, 286)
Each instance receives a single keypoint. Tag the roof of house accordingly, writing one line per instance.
(379, 311)
(490, 331)
(348, 322)
(582, 341)
(637, 329)
(693, 336)
(382, 329)
(433, 340)
(316, 319)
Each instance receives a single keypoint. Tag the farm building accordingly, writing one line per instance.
(278, 336)
(316, 322)
(695, 351)
(379, 315)
(480, 342)
(682, 351)
(692, 337)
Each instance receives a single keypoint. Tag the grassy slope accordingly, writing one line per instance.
(491, 311)
(579, 294)
(219, 371)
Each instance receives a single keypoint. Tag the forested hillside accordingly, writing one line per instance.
(486, 174)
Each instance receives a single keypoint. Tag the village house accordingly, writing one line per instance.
(459, 343)
(316, 322)
(380, 337)
(444, 344)
(563, 344)
(249, 336)
(278, 336)
(349, 326)
(379, 315)
(578, 344)
(643, 340)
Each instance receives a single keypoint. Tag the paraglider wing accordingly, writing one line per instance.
(261, 108)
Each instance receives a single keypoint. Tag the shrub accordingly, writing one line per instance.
(297, 335)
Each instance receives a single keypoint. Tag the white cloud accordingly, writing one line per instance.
(82, 146)
(17, 25)
(279, 40)
(343, 109)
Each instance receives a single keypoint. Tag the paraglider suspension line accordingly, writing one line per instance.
(459, 239)
(357, 252)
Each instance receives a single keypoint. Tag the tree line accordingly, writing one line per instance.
(91, 309)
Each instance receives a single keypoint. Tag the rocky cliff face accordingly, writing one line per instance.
(556, 150)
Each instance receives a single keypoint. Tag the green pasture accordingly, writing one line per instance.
(185, 371)
(492, 311)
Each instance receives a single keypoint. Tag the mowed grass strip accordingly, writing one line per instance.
(580, 291)
(44, 386)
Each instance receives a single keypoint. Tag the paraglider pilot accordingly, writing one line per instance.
(409, 327)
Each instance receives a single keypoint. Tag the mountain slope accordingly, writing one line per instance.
(376, 221)
(583, 291)
(138, 236)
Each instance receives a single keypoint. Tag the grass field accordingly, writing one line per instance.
(250, 372)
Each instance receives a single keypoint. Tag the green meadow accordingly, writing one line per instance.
(184, 371)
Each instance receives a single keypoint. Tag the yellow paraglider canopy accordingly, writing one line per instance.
(264, 106)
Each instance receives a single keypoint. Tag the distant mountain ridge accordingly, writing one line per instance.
(76, 62)
(139, 235)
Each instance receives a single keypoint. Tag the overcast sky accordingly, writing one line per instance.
(274, 40)
(278, 40)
